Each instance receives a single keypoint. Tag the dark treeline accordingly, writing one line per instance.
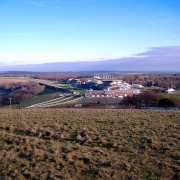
(21, 91)
(150, 98)
(165, 81)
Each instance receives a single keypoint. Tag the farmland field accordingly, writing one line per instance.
(89, 144)
(4, 80)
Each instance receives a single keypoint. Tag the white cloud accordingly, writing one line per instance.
(161, 51)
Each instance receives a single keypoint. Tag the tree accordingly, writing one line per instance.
(151, 98)
(166, 103)
(20, 92)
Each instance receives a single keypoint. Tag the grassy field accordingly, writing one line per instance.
(89, 144)
(47, 95)
(173, 95)
(60, 84)
(4, 80)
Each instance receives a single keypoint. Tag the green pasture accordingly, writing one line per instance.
(47, 95)
(173, 95)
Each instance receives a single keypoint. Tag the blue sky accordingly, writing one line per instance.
(41, 31)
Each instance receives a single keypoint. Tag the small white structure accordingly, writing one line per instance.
(108, 93)
(139, 86)
(116, 82)
(69, 80)
(136, 92)
(169, 90)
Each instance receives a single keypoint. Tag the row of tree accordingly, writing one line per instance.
(150, 98)
(165, 80)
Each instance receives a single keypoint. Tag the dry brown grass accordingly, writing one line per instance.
(89, 144)
(6, 80)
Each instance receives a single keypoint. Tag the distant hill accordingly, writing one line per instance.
(165, 58)
(123, 64)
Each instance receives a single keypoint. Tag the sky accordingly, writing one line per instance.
(42, 31)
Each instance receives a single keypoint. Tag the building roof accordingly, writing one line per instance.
(106, 91)
(170, 90)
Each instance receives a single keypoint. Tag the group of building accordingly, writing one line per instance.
(109, 87)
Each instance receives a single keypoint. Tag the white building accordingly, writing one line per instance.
(139, 86)
(171, 90)
(108, 93)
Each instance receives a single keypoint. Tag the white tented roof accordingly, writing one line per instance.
(170, 90)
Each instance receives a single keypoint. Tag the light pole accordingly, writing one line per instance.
(10, 102)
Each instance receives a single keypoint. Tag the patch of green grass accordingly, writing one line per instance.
(47, 95)
(49, 91)
(173, 95)
(39, 99)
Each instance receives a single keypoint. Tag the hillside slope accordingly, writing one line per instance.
(89, 144)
